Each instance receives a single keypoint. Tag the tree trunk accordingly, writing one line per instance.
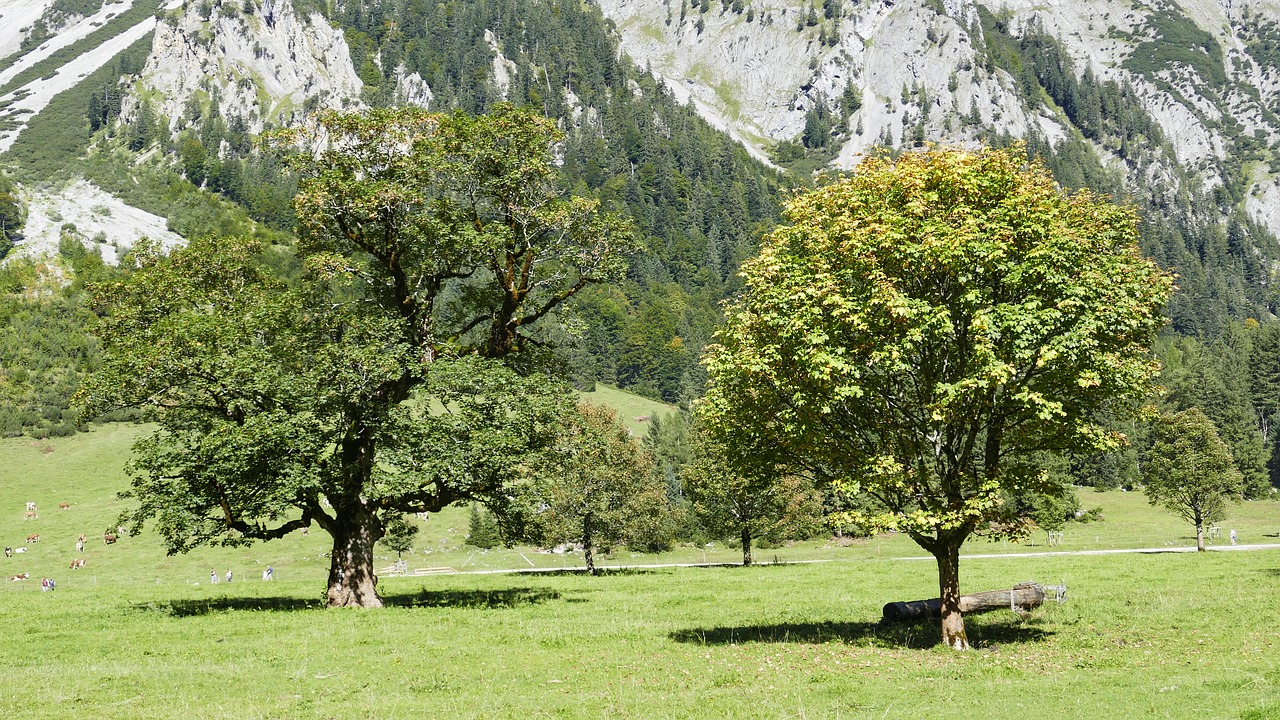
(948, 556)
(746, 546)
(1199, 536)
(587, 539)
(352, 582)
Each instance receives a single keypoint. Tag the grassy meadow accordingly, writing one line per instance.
(136, 634)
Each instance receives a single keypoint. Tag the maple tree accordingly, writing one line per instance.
(918, 331)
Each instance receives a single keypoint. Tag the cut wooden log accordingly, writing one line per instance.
(1024, 596)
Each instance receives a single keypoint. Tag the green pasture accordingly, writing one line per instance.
(1163, 636)
(634, 411)
(137, 634)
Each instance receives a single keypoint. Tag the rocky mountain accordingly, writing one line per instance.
(1206, 72)
(156, 105)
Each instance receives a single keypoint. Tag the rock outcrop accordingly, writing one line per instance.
(265, 65)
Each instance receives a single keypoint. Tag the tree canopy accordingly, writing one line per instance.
(919, 331)
(373, 376)
(1189, 470)
(596, 486)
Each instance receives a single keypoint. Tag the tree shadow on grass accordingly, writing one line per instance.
(600, 572)
(914, 635)
(508, 598)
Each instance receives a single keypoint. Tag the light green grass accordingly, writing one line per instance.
(87, 470)
(1169, 636)
(635, 412)
(140, 635)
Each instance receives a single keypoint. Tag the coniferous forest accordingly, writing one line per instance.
(698, 200)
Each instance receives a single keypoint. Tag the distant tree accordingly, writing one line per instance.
(919, 331)
(1189, 470)
(13, 215)
(482, 528)
(745, 504)
(1050, 510)
(142, 130)
(399, 535)
(596, 487)
(667, 441)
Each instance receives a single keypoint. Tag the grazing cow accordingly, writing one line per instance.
(81, 538)
(108, 538)
(33, 538)
(77, 563)
(21, 549)
(31, 507)
(29, 515)
(8, 551)
(21, 576)
(79, 546)
(64, 506)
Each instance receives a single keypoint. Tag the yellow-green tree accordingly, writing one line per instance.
(918, 331)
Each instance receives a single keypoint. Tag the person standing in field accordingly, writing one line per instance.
(213, 577)
(228, 576)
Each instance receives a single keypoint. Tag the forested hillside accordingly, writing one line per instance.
(186, 150)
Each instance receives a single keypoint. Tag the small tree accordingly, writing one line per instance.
(1189, 470)
(399, 535)
(747, 504)
(482, 528)
(596, 486)
(920, 330)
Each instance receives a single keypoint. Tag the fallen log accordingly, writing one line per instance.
(1024, 596)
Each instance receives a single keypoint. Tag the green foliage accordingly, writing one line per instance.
(59, 134)
(698, 202)
(921, 330)
(1221, 255)
(399, 536)
(1172, 39)
(46, 349)
(667, 441)
(273, 392)
(13, 215)
(482, 528)
(1051, 510)
(596, 487)
(1189, 470)
(761, 503)
(1214, 380)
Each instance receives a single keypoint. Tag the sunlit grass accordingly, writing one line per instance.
(137, 634)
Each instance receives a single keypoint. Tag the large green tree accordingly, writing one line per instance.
(375, 380)
(1189, 470)
(919, 331)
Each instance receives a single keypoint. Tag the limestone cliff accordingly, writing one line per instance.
(1205, 71)
(260, 60)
